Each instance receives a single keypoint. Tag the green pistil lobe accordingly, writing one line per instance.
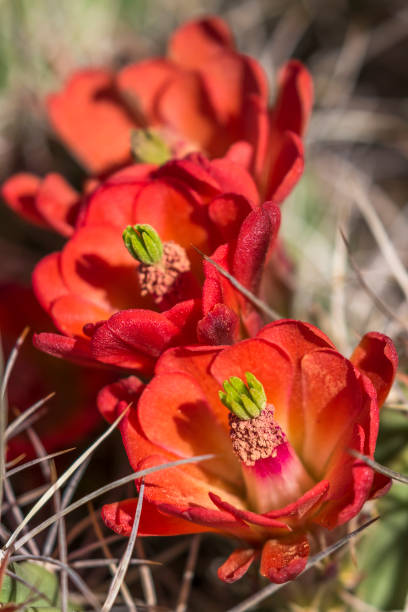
(143, 243)
(246, 402)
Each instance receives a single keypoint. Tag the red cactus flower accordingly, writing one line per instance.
(281, 468)
(35, 375)
(204, 96)
(116, 310)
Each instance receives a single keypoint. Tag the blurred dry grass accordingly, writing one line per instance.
(345, 227)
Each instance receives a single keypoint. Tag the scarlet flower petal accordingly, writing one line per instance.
(20, 193)
(47, 280)
(133, 339)
(332, 403)
(198, 40)
(58, 203)
(219, 326)
(237, 564)
(377, 358)
(296, 337)
(70, 311)
(285, 167)
(269, 363)
(90, 117)
(119, 517)
(284, 559)
(73, 349)
(195, 430)
(185, 107)
(122, 193)
(295, 99)
(228, 212)
(114, 398)
(142, 83)
(303, 508)
(262, 520)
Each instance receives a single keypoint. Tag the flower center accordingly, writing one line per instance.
(162, 278)
(274, 475)
(161, 265)
(257, 438)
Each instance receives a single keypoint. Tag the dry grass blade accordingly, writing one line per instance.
(272, 314)
(3, 403)
(388, 312)
(14, 427)
(29, 464)
(269, 590)
(123, 565)
(66, 498)
(106, 562)
(188, 574)
(18, 515)
(105, 489)
(379, 468)
(76, 579)
(146, 577)
(62, 479)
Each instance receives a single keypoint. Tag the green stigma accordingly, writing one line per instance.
(245, 401)
(149, 147)
(143, 243)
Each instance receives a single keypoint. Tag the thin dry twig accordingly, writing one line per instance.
(33, 462)
(379, 468)
(146, 577)
(188, 574)
(272, 314)
(105, 489)
(122, 568)
(14, 427)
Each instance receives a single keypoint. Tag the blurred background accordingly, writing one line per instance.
(345, 226)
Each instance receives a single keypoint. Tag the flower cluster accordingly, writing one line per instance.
(185, 158)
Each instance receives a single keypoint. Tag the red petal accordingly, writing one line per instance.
(295, 337)
(47, 281)
(227, 212)
(285, 167)
(196, 362)
(113, 204)
(261, 520)
(142, 83)
(185, 107)
(269, 363)
(381, 485)
(114, 398)
(133, 339)
(377, 358)
(219, 326)
(196, 41)
(58, 204)
(174, 414)
(303, 508)
(232, 177)
(237, 564)
(284, 559)
(76, 350)
(96, 265)
(183, 492)
(176, 216)
(295, 99)
(89, 116)
(20, 193)
(332, 404)
(119, 517)
(71, 312)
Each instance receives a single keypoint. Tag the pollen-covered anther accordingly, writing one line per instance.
(162, 278)
(257, 438)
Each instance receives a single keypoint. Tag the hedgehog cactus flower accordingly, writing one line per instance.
(280, 431)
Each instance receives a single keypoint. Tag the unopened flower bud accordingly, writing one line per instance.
(149, 147)
(143, 243)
